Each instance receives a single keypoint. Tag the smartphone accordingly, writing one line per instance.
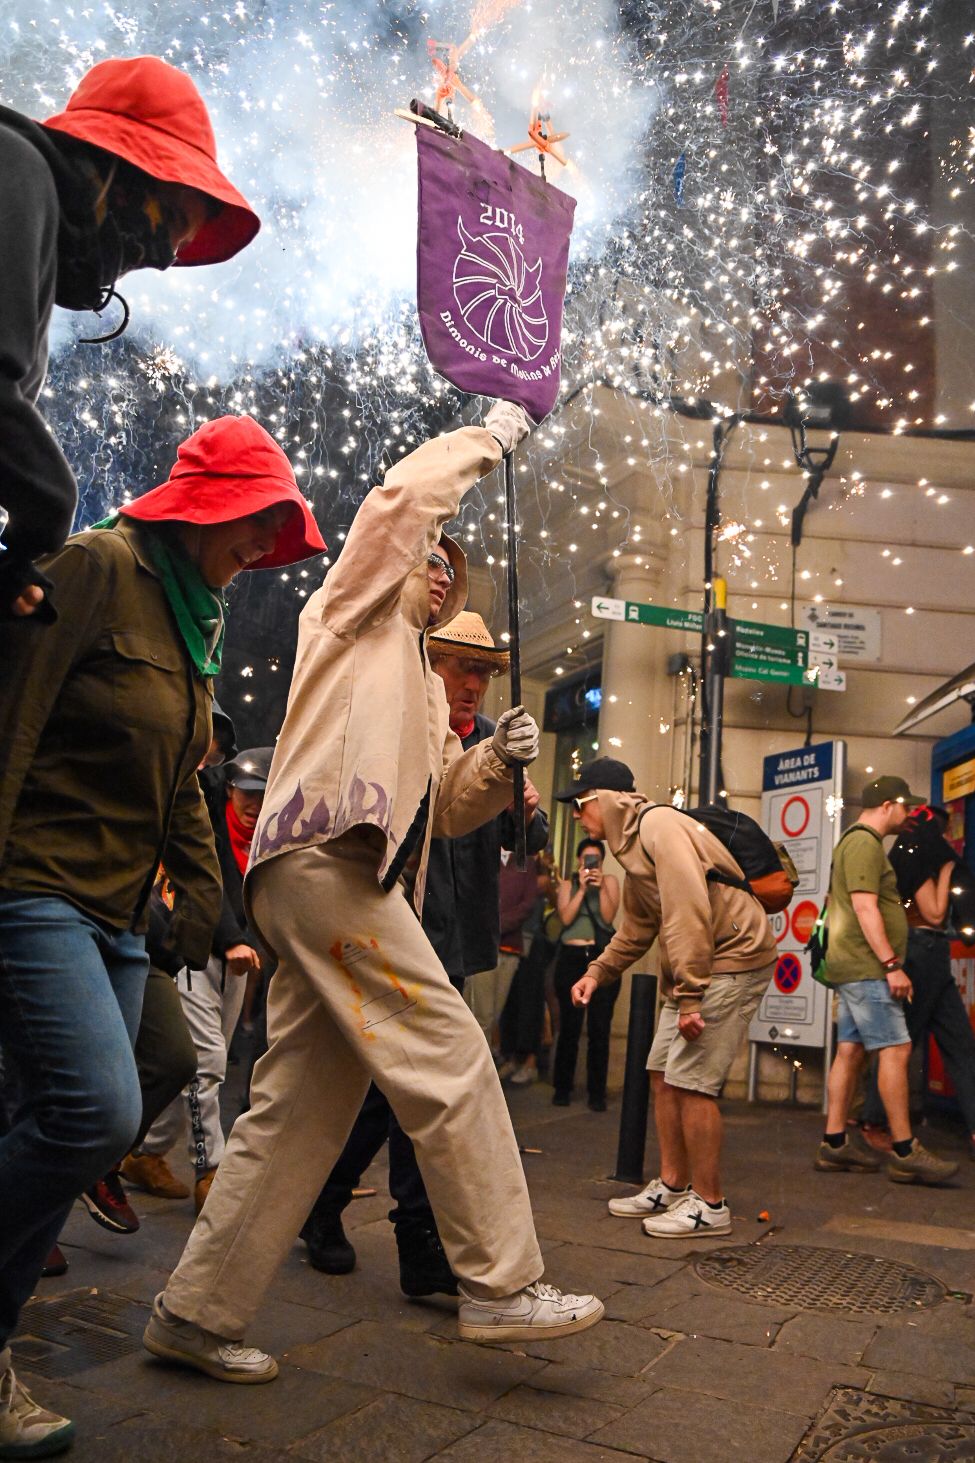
(590, 860)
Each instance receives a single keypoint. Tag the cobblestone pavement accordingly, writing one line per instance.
(766, 1353)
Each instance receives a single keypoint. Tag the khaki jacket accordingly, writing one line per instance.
(103, 723)
(704, 928)
(366, 737)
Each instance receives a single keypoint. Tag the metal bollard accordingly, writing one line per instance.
(636, 1081)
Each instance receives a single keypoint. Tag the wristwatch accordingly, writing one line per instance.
(891, 965)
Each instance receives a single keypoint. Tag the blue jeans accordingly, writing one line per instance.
(869, 1015)
(71, 994)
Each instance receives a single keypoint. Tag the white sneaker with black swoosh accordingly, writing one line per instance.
(692, 1218)
(656, 1198)
(538, 1311)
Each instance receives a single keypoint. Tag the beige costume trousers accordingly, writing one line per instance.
(358, 995)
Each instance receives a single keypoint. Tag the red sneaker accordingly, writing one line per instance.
(108, 1206)
(55, 1264)
(878, 1138)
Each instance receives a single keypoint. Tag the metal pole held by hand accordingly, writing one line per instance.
(514, 645)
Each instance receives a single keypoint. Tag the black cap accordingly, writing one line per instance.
(249, 770)
(604, 772)
(889, 790)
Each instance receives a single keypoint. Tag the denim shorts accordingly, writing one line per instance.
(869, 1015)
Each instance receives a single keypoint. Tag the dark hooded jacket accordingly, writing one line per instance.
(461, 907)
(45, 216)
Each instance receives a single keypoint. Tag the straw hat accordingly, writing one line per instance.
(467, 635)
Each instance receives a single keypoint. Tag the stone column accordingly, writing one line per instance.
(635, 716)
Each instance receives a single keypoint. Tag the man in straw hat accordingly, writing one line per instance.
(365, 772)
(461, 921)
(125, 178)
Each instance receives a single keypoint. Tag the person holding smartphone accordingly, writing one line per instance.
(587, 904)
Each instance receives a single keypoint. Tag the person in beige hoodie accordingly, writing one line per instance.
(366, 771)
(717, 955)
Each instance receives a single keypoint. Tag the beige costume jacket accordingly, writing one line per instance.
(366, 737)
(704, 928)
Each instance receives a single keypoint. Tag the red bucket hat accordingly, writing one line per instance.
(228, 469)
(152, 115)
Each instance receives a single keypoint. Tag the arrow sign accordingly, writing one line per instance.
(637, 612)
(820, 641)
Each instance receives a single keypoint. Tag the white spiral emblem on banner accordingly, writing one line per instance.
(499, 297)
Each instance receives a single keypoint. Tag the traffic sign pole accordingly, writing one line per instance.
(716, 652)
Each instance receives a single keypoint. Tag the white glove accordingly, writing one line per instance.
(507, 424)
(516, 737)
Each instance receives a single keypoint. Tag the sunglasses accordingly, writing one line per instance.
(577, 803)
(440, 566)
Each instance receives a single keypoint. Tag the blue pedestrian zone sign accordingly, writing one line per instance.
(792, 769)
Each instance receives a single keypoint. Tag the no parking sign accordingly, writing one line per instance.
(801, 805)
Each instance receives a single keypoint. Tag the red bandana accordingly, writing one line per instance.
(240, 838)
(464, 731)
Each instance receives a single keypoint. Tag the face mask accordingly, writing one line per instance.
(135, 231)
(132, 235)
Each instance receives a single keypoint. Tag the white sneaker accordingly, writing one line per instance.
(229, 1361)
(537, 1311)
(524, 1075)
(28, 1430)
(656, 1198)
(506, 1068)
(692, 1218)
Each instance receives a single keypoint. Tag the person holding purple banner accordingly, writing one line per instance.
(365, 773)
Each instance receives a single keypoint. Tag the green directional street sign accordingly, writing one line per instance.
(752, 633)
(636, 612)
(762, 652)
(787, 672)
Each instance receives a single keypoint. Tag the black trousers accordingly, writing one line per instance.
(164, 1052)
(937, 1010)
(523, 1018)
(572, 962)
(375, 1125)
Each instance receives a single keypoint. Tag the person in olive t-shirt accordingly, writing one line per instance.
(867, 944)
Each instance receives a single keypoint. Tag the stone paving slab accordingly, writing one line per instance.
(678, 1426)
(578, 1382)
(388, 1427)
(609, 1347)
(569, 1416)
(921, 1355)
(911, 1388)
(586, 1267)
(296, 1403)
(750, 1374)
(432, 1370)
(503, 1442)
(726, 1318)
(826, 1338)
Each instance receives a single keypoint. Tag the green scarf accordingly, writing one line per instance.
(200, 611)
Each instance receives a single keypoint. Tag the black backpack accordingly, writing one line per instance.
(770, 874)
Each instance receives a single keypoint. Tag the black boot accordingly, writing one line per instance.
(423, 1266)
(328, 1248)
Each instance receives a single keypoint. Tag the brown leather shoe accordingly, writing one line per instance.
(151, 1173)
(203, 1188)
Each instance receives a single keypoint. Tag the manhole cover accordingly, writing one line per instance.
(821, 1280)
(73, 1332)
(859, 1427)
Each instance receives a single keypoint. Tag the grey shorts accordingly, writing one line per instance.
(729, 1004)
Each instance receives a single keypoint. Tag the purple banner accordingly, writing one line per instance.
(492, 252)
